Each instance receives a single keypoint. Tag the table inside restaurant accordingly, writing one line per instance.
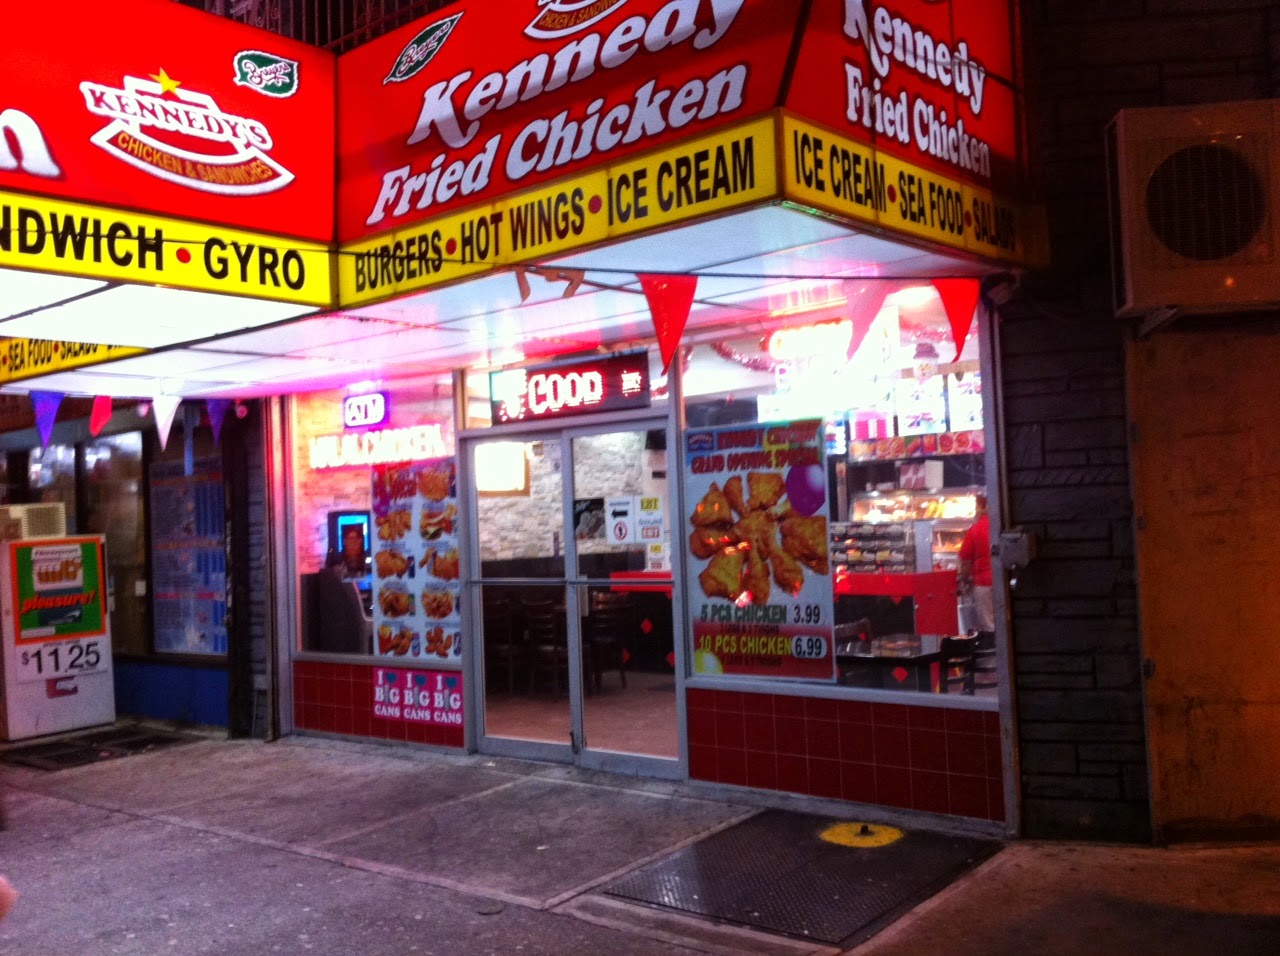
(893, 662)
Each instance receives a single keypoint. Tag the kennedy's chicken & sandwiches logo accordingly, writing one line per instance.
(183, 137)
(561, 18)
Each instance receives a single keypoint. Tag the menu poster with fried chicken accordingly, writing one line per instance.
(416, 563)
(759, 558)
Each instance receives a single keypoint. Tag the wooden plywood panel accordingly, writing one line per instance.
(1206, 463)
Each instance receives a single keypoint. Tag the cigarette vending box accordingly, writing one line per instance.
(56, 661)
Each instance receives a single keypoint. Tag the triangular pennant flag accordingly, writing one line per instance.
(865, 300)
(960, 300)
(46, 404)
(218, 408)
(100, 415)
(670, 299)
(165, 407)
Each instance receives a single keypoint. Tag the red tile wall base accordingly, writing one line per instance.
(897, 755)
(338, 699)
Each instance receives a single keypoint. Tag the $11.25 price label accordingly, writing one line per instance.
(61, 659)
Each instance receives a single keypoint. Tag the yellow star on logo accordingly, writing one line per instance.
(167, 83)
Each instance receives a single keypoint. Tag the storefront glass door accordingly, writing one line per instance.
(624, 588)
(524, 632)
(574, 597)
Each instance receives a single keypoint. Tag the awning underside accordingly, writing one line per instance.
(754, 266)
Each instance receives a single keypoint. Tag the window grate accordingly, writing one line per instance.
(337, 25)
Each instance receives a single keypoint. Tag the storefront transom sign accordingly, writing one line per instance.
(98, 243)
(235, 129)
(605, 384)
(507, 96)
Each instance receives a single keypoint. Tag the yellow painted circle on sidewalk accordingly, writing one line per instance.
(860, 835)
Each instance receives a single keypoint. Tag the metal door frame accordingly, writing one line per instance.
(572, 752)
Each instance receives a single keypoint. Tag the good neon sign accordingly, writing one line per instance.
(596, 385)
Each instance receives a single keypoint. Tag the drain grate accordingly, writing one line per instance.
(774, 872)
(89, 748)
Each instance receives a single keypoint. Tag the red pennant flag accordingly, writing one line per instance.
(100, 415)
(670, 299)
(960, 300)
(865, 300)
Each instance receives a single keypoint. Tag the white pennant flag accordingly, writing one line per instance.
(165, 407)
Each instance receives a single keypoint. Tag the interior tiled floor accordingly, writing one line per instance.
(640, 719)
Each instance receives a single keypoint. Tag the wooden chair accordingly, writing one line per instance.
(504, 646)
(985, 668)
(548, 644)
(956, 664)
(608, 623)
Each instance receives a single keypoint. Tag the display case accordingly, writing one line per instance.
(902, 531)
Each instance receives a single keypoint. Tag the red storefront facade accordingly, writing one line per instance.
(783, 215)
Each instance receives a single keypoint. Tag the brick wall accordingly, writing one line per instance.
(1076, 644)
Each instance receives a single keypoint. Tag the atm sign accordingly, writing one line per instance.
(363, 411)
(609, 383)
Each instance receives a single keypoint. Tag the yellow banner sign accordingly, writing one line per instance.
(99, 243)
(27, 358)
(734, 168)
(854, 180)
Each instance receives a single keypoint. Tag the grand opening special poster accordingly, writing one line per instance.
(759, 553)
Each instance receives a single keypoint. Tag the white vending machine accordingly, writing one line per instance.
(55, 670)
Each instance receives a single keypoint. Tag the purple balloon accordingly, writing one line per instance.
(807, 489)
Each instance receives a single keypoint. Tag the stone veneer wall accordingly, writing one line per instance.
(520, 526)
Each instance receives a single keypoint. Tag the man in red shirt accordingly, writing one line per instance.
(975, 569)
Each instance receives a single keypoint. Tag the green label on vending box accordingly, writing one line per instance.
(58, 590)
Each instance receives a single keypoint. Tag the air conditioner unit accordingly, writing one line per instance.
(37, 521)
(1193, 193)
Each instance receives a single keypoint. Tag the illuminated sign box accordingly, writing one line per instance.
(364, 411)
(581, 387)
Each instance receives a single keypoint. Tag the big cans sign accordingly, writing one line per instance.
(491, 97)
(169, 110)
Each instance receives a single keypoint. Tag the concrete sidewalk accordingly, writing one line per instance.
(308, 846)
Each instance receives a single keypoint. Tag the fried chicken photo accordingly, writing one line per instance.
(722, 577)
(767, 488)
(391, 564)
(394, 525)
(436, 482)
(445, 565)
(713, 510)
(438, 642)
(704, 542)
(756, 579)
(759, 530)
(805, 539)
(437, 604)
(733, 491)
(395, 603)
(403, 642)
(788, 572)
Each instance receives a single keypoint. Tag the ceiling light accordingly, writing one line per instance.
(23, 291)
(914, 297)
(150, 317)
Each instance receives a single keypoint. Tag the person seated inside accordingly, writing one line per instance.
(342, 626)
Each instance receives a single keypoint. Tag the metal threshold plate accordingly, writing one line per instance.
(776, 872)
